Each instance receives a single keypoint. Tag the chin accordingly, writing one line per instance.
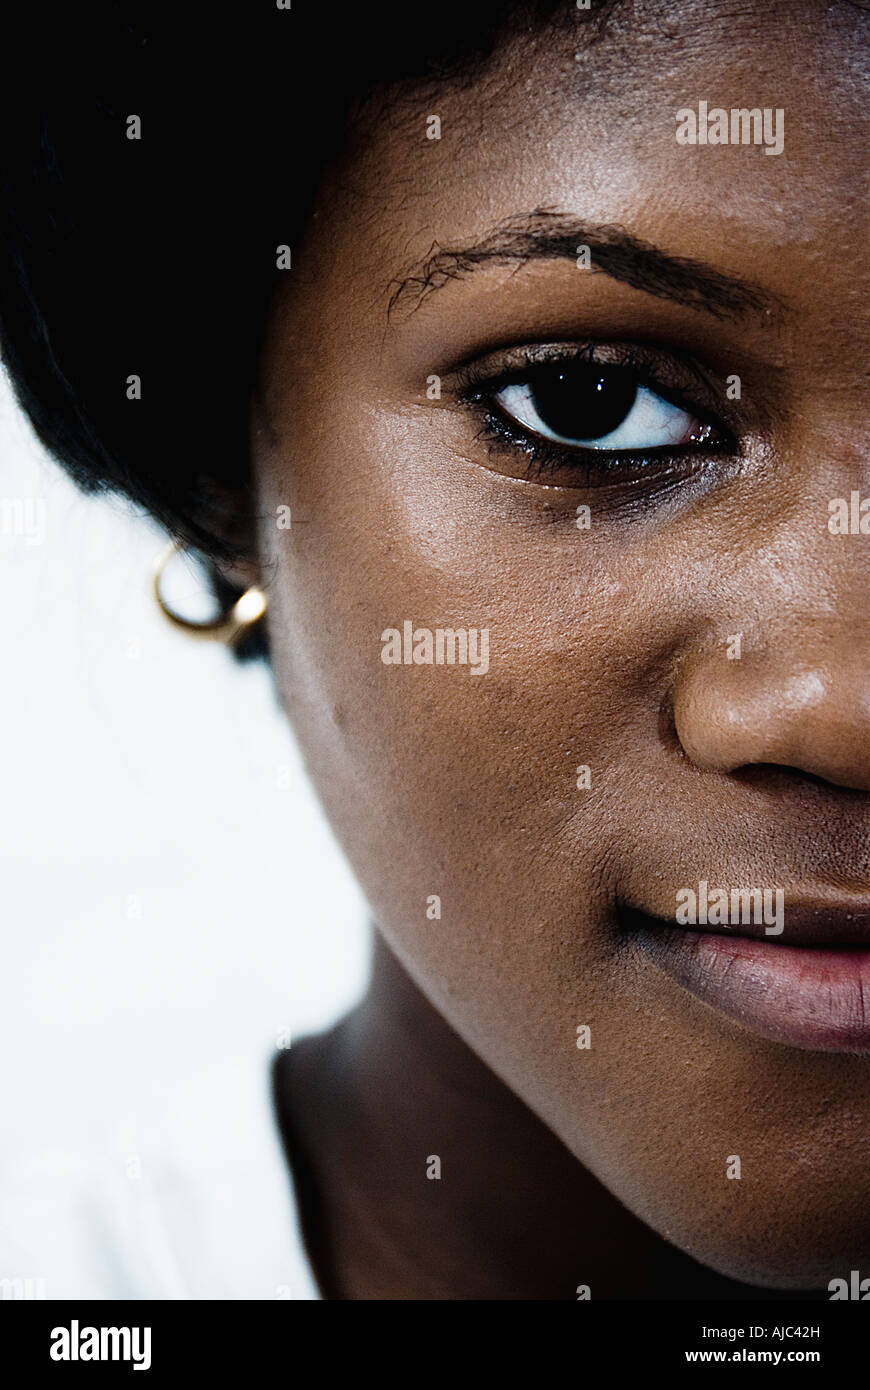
(807, 1257)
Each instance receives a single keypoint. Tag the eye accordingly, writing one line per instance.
(589, 405)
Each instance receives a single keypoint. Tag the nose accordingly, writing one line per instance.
(799, 700)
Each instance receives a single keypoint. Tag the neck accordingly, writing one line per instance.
(368, 1108)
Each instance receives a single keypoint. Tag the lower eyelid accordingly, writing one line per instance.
(512, 433)
(625, 479)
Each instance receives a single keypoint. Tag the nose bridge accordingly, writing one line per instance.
(783, 675)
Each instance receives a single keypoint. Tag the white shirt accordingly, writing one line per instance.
(188, 1197)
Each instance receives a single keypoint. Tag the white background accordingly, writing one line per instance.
(171, 895)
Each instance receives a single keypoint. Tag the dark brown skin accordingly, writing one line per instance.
(608, 648)
(519, 1217)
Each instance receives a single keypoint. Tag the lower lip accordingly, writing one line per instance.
(797, 995)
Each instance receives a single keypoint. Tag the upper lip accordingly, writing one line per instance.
(810, 922)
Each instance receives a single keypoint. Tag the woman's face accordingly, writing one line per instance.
(697, 639)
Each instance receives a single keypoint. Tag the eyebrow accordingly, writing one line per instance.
(549, 235)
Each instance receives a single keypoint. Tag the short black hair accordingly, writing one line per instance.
(156, 257)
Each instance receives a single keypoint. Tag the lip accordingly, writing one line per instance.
(813, 995)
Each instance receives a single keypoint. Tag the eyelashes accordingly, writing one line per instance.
(597, 412)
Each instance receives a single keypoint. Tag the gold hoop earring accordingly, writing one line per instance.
(238, 618)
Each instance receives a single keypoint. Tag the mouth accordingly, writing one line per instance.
(808, 987)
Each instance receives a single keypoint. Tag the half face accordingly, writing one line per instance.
(567, 399)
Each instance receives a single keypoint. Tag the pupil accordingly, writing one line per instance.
(584, 401)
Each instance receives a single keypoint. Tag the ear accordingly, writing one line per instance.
(228, 515)
(235, 576)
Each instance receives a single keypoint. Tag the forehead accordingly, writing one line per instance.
(583, 119)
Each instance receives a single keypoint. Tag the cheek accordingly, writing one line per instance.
(455, 794)
(461, 779)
